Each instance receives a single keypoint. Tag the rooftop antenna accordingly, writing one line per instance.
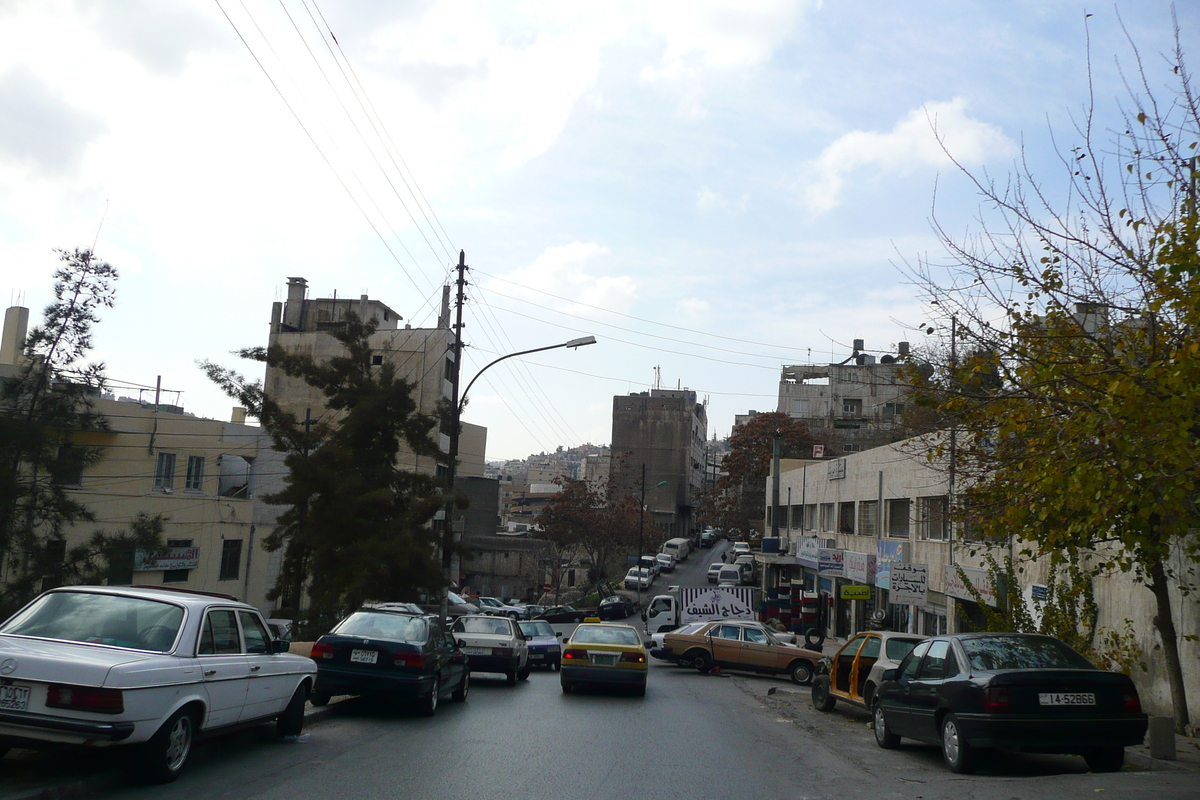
(658, 377)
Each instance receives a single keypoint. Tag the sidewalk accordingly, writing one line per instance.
(1187, 756)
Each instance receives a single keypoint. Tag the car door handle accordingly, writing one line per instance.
(208, 673)
(255, 668)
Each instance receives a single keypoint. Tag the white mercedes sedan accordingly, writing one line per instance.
(150, 669)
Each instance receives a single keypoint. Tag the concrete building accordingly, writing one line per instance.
(423, 356)
(665, 430)
(877, 523)
(854, 404)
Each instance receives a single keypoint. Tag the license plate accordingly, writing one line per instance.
(364, 656)
(537, 657)
(604, 660)
(14, 698)
(477, 651)
(1066, 699)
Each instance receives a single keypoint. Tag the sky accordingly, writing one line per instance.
(712, 190)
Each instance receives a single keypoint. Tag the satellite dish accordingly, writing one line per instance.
(878, 615)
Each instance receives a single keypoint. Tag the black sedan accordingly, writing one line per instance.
(391, 655)
(562, 614)
(1018, 691)
(615, 607)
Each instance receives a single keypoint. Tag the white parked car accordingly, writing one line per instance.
(151, 669)
(493, 644)
(714, 569)
(650, 563)
(490, 605)
(638, 577)
(666, 562)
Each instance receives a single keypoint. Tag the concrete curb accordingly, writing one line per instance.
(1134, 757)
(109, 779)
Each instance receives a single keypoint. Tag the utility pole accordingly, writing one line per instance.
(455, 424)
(298, 542)
(641, 530)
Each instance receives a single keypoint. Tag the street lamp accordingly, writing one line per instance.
(641, 530)
(456, 421)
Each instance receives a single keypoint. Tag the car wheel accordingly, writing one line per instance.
(801, 673)
(958, 755)
(319, 699)
(556, 666)
(464, 686)
(510, 677)
(291, 721)
(639, 691)
(427, 706)
(523, 674)
(702, 662)
(883, 734)
(567, 687)
(1105, 759)
(822, 698)
(163, 757)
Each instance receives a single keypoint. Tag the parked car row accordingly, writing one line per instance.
(971, 692)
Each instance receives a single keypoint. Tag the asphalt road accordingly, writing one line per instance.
(692, 736)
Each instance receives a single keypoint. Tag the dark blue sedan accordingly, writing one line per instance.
(390, 655)
(544, 647)
(967, 692)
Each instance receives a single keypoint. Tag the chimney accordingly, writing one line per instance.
(16, 324)
(903, 348)
(293, 312)
(239, 416)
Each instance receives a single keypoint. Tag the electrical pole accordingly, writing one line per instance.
(641, 530)
(455, 424)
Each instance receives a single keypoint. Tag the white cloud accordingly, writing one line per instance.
(707, 200)
(563, 271)
(692, 306)
(912, 143)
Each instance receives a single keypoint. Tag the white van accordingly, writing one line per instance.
(678, 548)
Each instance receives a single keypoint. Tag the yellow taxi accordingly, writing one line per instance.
(604, 653)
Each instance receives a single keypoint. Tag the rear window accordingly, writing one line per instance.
(540, 628)
(115, 620)
(388, 627)
(897, 649)
(600, 634)
(492, 625)
(1022, 652)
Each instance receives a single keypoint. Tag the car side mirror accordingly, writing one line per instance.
(280, 646)
(558, 634)
(889, 674)
(459, 643)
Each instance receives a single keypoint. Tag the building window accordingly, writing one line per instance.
(376, 361)
(935, 522)
(868, 517)
(176, 575)
(828, 518)
(810, 517)
(893, 409)
(852, 407)
(898, 519)
(164, 472)
(845, 518)
(195, 473)
(68, 467)
(796, 517)
(231, 559)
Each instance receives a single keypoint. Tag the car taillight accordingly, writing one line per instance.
(85, 698)
(636, 658)
(571, 654)
(410, 660)
(995, 700)
(321, 650)
(502, 652)
(1133, 703)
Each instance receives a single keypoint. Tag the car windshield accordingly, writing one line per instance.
(603, 634)
(389, 627)
(1022, 652)
(541, 628)
(116, 620)
(492, 625)
(455, 599)
(691, 627)
(897, 649)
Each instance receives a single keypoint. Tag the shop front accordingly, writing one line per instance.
(832, 574)
(968, 615)
(858, 588)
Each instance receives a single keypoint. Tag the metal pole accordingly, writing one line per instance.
(455, 424)
(641, 531)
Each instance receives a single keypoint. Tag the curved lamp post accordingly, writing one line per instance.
(455, 424)
(641, 530)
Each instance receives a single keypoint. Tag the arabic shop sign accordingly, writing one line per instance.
(860, 566)
(855, 592)
(166, 558)
(718, 603)
(978, 578)
(831, 562)
(888, 553)
(836, 470)
(910, 584)
(808, 552)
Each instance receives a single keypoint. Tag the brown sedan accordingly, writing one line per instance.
(740, 645)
